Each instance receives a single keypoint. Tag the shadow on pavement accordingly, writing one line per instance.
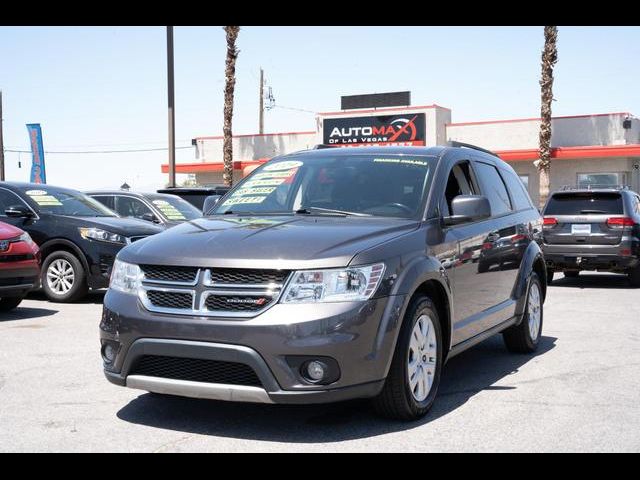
(26, 313)
(93, 297)
(590, 280)
(464, 376)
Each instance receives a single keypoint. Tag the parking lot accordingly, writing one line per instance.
(578, 393)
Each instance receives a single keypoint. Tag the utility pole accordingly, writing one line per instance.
(1, 143)
(172, 127)
(261, 126)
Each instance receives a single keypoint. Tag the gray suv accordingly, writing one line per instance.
(329, 275)
(592, 229)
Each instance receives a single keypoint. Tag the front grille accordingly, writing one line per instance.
(236, 303)
(16, 258)
(232, 292)
(177, 300)
(170, 274)
(196, 370)
(247, 276)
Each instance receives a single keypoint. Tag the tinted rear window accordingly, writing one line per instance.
(584, 203)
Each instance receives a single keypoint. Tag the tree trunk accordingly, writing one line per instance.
(549, 59)
(229, 87)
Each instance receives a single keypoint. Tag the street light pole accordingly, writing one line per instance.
(171, 99)
(1, 143)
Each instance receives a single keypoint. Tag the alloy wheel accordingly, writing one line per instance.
(421, 358)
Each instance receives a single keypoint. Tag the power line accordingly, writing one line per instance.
(101, 151)
(292, 108)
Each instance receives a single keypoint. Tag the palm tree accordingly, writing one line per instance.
(549, 59)
(229, 87)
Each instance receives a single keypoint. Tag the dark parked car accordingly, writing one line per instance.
(327, 275)
(160, 208)
(593, 229)
(19, 266)
(78, 236)
(195, 195)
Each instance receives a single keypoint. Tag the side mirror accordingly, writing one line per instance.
(468, 208)
(18, 211)
(149, 217)
(210, 202)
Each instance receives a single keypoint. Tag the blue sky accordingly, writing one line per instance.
(97, 88)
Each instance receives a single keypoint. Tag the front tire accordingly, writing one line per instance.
(9, 303)
(525, 337)
(414, 376)
(64, 279)
(550, 274)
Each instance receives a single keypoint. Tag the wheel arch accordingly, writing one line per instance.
(532, 262)
(61, 244)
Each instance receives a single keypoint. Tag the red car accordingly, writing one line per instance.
(19, 266)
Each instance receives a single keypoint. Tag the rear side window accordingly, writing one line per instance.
(584, 203)
(519, 195)
(493, 187)
(106, 200)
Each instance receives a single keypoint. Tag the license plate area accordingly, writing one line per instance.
(581, 229)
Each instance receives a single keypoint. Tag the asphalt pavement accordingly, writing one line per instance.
(579, 392)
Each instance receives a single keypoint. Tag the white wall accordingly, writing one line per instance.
(564, 172)
(566, 132)
(253, 147)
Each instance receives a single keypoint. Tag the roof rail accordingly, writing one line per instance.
(454, 143)
(595, 186)
(322, 146)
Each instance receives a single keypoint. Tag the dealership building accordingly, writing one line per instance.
(595, 149)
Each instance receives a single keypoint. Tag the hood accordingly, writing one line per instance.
(128, 227)
(290, 242)
(9, 231)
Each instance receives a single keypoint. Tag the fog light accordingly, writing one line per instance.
(109, 352)
(316, 370)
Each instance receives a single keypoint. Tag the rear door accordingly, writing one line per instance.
(584, 218)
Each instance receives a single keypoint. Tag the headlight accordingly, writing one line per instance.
(125, 277)
(25, 237)
(335, 285)
(102, 235)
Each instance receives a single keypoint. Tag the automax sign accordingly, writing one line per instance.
(377, 130)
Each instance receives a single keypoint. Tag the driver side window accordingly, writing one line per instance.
(460, 182)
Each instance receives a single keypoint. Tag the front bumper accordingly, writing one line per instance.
(100, 257)
(19, 279)
(359, 336)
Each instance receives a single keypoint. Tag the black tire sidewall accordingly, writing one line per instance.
(423, 305)
(79, 287)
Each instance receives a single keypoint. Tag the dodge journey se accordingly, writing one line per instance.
(328, 275)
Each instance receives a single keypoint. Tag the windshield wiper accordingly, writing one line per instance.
(329, 211)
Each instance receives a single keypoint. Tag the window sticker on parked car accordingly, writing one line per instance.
(277, 174)
(254, 191)
(282, 166)
(41, 198)
(264, 183)
(239, 200)
(168, 210)
(401, 161)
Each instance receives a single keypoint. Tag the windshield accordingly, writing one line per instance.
(67, 202)
(174, 209)
(371, 185)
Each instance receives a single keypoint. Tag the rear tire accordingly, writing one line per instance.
(525, 337)
(634, 277)
(64, 279)
(9, 303)
(572, 274)
(420, 353)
